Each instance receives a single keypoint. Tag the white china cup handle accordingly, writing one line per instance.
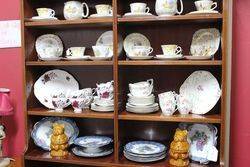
(53, 13)
(151, 82)
(68, 52)
(214, 5)
(110, 10)
(94, 91)
(87, 10)
(180, 12)
(178, 50)
(147, 9)
(151, 50)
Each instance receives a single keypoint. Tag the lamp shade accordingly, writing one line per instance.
(6, 107)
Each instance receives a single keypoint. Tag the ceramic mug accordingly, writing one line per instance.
(51, 51)
(75, 51)
(45, 12)
(167, 102)
(75, 10)
(105, 90)
(205, 5)
(171, 50)
(104, 9)
(103, 50)
(142, 50)
(139, 8)
(184, 105)
(142, 89)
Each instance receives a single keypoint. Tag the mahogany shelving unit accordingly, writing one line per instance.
(168, 75)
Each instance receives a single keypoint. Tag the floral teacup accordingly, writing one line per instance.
(167, 102)
(184, 105)
(80, 103)
(105, 90)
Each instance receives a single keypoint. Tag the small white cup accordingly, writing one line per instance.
(142, 50)
(75, 51)
(142, 89)
(205, 5)
(45, 12)
(171, 50)
(167, 102)
(104, 9)
(184, 105)
(139, 8)
(103, 50)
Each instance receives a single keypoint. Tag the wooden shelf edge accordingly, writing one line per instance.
(69, 113)
(190, 118)
(67, 63)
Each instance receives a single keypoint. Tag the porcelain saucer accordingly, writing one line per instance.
(86, 57)
(204, 12)
(95, 107)
(50, 58)
(99, 58)
(164, 57)
(140, 57)
(198, 57)
(38, 18)
(137, 14)
(99, 16)
(80, 152)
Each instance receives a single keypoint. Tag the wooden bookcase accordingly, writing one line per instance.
(168, 75)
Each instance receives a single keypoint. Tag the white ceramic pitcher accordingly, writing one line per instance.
(75, 10)
(167, 7)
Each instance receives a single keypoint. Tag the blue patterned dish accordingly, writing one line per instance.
(42, 131)
(80, 152)
(93, 141)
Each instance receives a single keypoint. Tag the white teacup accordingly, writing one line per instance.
(45, 12)
(103, 50)
(139, 8)
(51, 51)
(171, 50)
(184, 105)
(75, 51)
(142, 89)
(204, 5)
(142, 50)
(167, 102)
(104, 9)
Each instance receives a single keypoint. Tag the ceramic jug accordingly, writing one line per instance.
(6, 107)
(167, 7)
(75, 10)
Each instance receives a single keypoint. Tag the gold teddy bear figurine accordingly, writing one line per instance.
(179, 149)
(59, 141)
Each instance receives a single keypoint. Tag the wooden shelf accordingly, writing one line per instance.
(75, 23)
(174, 118)
(69, 113)
(188, 17)
(39, 155)
(170, 62)
(68, 63)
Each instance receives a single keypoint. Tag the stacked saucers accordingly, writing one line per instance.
(144, 151)
(140, 99)
(93, 146)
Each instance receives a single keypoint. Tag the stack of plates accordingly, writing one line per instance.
(93, 146)
(144, 151)
(102, 105)
(142, 105)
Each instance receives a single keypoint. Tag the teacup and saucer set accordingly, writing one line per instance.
(44, 14)
(205, 7)
(102, 10)
(170, 52)
(102, 52)
(138, 9)
(76, 53)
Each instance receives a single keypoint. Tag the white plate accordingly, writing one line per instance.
(198, 57)
(77, 58)
(204, 12)
(104, 103)
(48, 41)
(50, 58)
(137, 14)
(205, 42)
(95, 107)
(107, 39)
(164, 57)
(155, 105)
(145, 160)
(80, 152)
(141, 109)
(38, 18)
(54, 81)
(135, 39)
(100, 16)
(93, 141)
(140, 57)
(203, 90)
(99, 58)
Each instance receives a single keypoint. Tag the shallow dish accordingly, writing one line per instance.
(100, 58)
(95, 107)
(80, 152)
(137, 14)
(77, 58)
(204, 12)
(164, 57)
(140, 57)
(144, 160)
(100, 16)
(198, 57)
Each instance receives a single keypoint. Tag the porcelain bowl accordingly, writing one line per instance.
(80, 103)
(60, 103)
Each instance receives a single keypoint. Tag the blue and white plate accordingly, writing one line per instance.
(80, 152)
(42, 131)
(144, 147)
(144, 160)
(93, 141)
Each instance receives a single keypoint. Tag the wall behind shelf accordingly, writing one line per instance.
(11, 77)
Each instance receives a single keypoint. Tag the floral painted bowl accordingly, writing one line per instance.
(80, 103)
(60, 103)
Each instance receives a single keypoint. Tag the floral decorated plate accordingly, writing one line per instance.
(205, 42)
(144, 160)
(144, 147)
(203, 90)
(137, 14)
(135, 39)
(107, 39)
(80, 152)
(42, 131)
(51, 81)
(201, 137)
(198, 57)
(93, 141)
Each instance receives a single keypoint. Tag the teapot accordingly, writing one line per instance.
(142, 89)
(167, 7)
(75, 10)
(6, 107)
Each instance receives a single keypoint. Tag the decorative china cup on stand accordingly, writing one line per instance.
(75, 10)
(167, 102)
(45, 12)
(205, 5)
(142, 89)
(139, 8)
(171, 50)
(167, 7)
(104, 10)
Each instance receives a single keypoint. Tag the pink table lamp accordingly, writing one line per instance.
(6, 107)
